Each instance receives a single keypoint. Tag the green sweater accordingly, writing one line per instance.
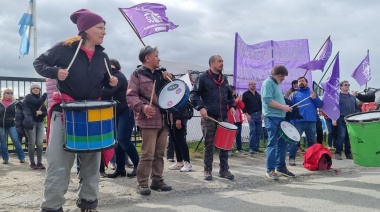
(270, 91)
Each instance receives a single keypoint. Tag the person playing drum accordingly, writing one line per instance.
(83, 80)
(211, 95)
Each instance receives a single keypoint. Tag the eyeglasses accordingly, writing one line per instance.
(11, 93)
(346, 84)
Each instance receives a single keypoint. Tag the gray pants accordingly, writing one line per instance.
(35, 138)
(60, 163)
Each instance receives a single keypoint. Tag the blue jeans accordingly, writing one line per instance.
(4, 143)
(35, 138)
(342, 138)
(125, 123)
(276, 148)
(255, 131)
(332, 135)
(238, 136)
(309, 127)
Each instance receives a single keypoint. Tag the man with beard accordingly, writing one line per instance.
(309, 113)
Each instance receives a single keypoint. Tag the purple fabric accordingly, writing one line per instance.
(362, 73)
(331, 96)
(148, 18)
(255, 62)
(321, 59)
(85, 19)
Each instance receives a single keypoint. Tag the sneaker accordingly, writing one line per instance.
(176, 166)
(338, 156)
(286, 173)
(33, 166)
(171, 160)
(117, 173)
(22, 161)
(40, 166)
(5, 162)
(292, 162)
(143, 190)
(103, 174)
(160, 185)
(207, 173)
(259, 151)
(133, 173)
(186, 167)
(242, 152)
(129, 163)
(272, 175)
(251, 152)
(225, 173)
(349, 156)
(112, 165)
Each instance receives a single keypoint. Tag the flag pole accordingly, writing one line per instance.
(34, 32)
(132, 26)
(366, 84)
(319, 51)
(328, 67)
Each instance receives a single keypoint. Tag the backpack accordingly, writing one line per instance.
(317, 157)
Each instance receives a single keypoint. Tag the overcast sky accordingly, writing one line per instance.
(205, 28)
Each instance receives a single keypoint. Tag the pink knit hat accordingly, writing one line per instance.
(85, 19)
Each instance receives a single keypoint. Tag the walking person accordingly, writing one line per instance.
(211, 95)
(8, 127)
(124, 123)
(83, 81)
(253, 112)
(274, 110)
(142, 96)
(36, 104)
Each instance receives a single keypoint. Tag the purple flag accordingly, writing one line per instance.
(148, 18)
(331, 96)
(255, 62)
(321, 59)
(362, 73)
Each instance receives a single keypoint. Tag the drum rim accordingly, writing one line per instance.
(279, 127)
(224, 122)
(68, 149)
(69, 107)
(360, 113)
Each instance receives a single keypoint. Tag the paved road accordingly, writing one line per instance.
(354, 190)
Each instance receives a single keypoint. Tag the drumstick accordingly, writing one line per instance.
(213, 119)
(300, 101)
(75, 55)
(169, 78)
(151, 96)
(303, 105)
(105, 62)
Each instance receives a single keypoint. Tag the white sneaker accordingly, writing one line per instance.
(186, 167)
(176, 166)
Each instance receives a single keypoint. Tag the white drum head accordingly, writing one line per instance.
(171, 94)
(290, 131)
(368, 116)
(228, 125)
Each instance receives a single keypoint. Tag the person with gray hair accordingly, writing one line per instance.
(142, 97)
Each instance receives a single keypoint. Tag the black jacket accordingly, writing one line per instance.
(215, 98)
(7, 115)
(34, 102)
(23, 118)
(117, 93)
(85, 79)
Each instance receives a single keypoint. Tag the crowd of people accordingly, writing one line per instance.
(80, 68)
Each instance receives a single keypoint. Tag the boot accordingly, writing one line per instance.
(117, 173)
(208, 173)
(160, 185)
(133, 173)
(224, 173)
(143, 190)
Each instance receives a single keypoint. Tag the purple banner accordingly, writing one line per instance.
(331, 96)
(255, 62)
(362, 73)
(321, 59)
(148, 18)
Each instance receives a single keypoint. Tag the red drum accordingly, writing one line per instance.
(225, 136)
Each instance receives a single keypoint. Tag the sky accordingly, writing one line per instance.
(205, 28)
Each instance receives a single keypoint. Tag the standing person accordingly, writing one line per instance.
(347, 105)
(19, 126)
(238, 119)
(252, 111)
(124, 123)
(84, 81)
(8, 127)
(332, 132)
(274, 110)
(292, 89)
(142, 97)
(309, 115)
(211, 95)
(36, 104)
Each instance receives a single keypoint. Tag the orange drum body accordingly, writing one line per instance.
(225, 136)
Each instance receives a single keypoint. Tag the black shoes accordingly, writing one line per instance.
(117, 173)
(160, 185)
(133, 173)
(225, 173)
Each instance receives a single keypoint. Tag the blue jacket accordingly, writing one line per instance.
(308, 112)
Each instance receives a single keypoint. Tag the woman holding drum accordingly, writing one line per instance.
(80, 67)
